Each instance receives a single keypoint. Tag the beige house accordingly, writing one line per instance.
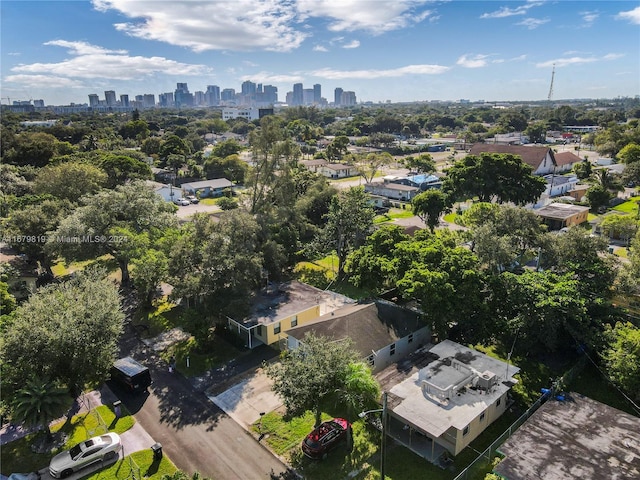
(444, 396)
(338, 170)
(561, 215)
(278, 308)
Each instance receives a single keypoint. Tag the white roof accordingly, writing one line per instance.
(435, 416)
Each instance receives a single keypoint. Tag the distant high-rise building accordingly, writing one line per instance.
(348, 98)
(124, 100)
(248, 88)
(270, 94)
(110, 98)
(94, 100)
(182, 96)
(317, 93)
(38, 103)
(212, 95)
(166, 100)
(228, 95)
(198, 98)
(298, 94)
(307, 96)
(337, 96)
(149, 100)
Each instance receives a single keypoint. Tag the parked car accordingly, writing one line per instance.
(192, 198)
(181, 201)
(90, 451)
(325, 437)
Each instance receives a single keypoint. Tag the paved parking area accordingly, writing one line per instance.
(247, 399)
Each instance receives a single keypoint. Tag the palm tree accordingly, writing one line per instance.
(39, 402)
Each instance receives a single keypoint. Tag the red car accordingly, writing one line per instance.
(326, 437)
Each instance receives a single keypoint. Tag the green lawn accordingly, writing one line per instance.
(393, 214)
(140, 463)
(630, 206)
(204, 354)
(17, 456)
(107, 262)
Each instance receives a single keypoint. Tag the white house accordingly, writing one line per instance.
(166, 191)
(541, 159)
(338, 170)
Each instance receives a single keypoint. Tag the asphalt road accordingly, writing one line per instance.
(195, 434)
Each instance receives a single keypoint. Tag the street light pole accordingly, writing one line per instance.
(383, 446)
(383, 440)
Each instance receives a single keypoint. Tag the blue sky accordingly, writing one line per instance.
(397, 50)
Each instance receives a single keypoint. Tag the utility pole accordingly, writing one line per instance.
(553, 74)
(383, 445)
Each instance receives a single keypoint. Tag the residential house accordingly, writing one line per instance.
(382, 332)
(314, 165)
(163, 175)
(25, 280)
(208, 188)
(579, 192)
(422, 181)
(565, 161)
(443, 396)
(338, 170)
(278, 308)
(558, 185)
(379, 202)
(395, 191)
(573, 437)
(541, 159)
(167, 192)
(561, 215)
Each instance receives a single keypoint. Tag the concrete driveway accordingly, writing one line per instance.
(247, 399)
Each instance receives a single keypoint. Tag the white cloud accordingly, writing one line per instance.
(267, 77)
(510, 12)
(332, 74)
(352, 44)
(92, 61)
(221, 25)
(44, 81)
(589, 17)
(369, 15)
(632, 16)
(320, 48)
(565, 62)
(476, 61)
(14, 54)
(533, 23)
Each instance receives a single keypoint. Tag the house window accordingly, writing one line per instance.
(498, 402)
(410, 339)
(465, 431)
(392, 349)
(276, 329)
(371, 360)
(294, 321)
(259, 330)
(482, 416)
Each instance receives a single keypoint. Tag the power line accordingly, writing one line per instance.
(553, 74)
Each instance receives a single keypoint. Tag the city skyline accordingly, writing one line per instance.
(407, 50)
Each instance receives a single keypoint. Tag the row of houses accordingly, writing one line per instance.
(441, 395)
(206, 188)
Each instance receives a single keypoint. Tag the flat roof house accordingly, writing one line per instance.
(443, 396)
(560, 215)
(577, 438)
(208, 188)
(395, 191)
(278, 308)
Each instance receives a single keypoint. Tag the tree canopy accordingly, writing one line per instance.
(67, 332)
(493, 177)
(319, 370)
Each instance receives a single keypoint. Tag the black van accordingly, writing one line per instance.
(131, 374)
